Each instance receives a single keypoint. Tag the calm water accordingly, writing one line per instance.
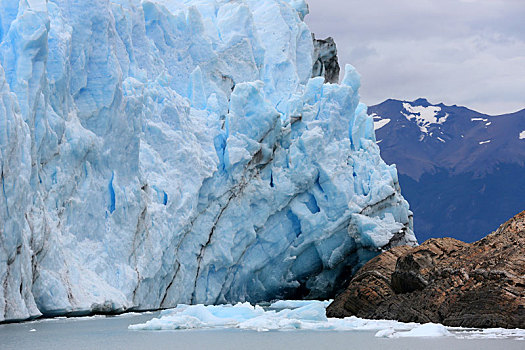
(112, 333)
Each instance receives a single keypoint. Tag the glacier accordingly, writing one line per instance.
(162, 152)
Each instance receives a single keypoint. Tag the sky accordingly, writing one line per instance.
(458, 52)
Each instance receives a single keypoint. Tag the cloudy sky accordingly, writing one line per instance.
(464, 52)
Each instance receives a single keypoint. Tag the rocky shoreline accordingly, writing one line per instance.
(444, 281)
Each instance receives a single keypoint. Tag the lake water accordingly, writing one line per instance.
(113, 333)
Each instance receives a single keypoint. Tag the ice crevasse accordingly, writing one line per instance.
(162, 152)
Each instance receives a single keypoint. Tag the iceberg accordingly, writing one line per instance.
(427, 330)
(310, 315)
(300, 315)
(164, 152)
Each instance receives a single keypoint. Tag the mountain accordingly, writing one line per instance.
(463, 172)
(164, 152)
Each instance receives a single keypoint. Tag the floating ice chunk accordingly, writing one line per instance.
(430, 330)
(293, 304)
(310, 315)
(386, 333)
(200, 316)
(490, 333)
(427, 330)
(522, 135)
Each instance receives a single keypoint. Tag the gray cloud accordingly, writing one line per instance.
(466, 52)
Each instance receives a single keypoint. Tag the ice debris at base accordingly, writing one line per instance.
(310, 315)
(490, 333)
(161, 152)
(304, 315)
(294, 304)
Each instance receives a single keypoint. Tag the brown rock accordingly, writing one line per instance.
(445, 281)
(369, 287)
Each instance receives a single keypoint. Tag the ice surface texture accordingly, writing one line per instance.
(164, 152)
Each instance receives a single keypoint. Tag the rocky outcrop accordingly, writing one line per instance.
(325, 61)
(445, 281)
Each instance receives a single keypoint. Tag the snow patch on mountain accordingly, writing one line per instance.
(424, 116)
(381, 123)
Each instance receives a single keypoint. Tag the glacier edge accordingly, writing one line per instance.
(164, 152)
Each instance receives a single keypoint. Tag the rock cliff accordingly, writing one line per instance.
(325, 60)
(445, 281)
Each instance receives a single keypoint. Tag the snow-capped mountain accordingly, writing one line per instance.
(168, 151)
(463, 172)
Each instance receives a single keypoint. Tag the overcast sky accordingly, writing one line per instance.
(464, 52)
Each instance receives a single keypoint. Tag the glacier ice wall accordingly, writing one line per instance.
(164, 152)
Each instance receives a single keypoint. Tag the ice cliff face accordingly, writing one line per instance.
(164, 152)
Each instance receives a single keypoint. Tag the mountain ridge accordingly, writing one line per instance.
(421, 100)
(475, 159)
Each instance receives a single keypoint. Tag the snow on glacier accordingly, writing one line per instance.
(164, 152)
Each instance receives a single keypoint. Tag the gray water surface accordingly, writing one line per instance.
(113, 333)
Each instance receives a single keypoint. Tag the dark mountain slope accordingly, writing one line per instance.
(462, 171)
